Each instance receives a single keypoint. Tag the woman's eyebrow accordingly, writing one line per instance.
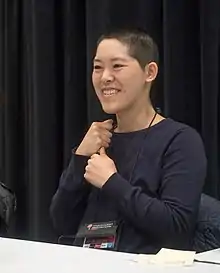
(112, 59)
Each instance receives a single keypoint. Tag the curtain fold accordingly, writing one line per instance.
(210, 88)
(46, 97)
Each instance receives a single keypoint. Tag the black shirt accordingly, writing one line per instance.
(156, 191)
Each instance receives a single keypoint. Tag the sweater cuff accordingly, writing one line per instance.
(74, 175)
(117, 187)
(78, 163)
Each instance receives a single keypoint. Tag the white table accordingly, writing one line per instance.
(30, 257)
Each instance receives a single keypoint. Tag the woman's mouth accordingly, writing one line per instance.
(109, 92)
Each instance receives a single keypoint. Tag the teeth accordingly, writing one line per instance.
(110, 92)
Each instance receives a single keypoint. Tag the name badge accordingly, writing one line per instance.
(102, 235)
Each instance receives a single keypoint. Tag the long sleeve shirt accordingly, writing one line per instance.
(155, 192)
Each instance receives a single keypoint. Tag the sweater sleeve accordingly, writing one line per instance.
(173, 212)
(70, 201)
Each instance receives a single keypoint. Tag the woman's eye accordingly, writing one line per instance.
(118, 66)
(97, 67)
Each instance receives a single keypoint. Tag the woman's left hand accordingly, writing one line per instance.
(99, 169)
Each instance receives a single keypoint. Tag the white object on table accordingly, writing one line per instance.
(210, 256)
(168, 257)
(18, 256)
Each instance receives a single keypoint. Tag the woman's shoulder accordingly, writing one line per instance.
(170, 134)
(170, 127)
(184, 138)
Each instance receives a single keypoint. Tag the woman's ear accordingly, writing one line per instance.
(151, 71)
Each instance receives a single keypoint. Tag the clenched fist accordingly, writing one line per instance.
(98, 136)
(99, 169)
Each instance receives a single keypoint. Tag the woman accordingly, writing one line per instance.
(140, 181)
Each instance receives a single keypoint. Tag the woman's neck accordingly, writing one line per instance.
(136, 119)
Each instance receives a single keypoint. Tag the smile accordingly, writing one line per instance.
(110, 92)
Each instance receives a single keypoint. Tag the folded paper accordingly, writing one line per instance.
(168, 257)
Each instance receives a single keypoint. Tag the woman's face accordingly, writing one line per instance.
(118, 79)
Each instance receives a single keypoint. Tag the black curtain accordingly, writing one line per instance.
(47, 101)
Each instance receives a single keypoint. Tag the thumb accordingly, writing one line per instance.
(102, 151)
(108, 121)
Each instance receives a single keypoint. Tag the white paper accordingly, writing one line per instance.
(168, 257)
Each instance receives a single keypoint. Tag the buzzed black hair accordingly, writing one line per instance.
(140, 45)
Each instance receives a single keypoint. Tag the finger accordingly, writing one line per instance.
(92, 157)
(105, 139)
(105, 144)
(86, 176)
(89, 161)
(102, 151)
(105, 133)
(108, 121)
(102, 141)
(106, 136)
(108, 124)
(98, 134)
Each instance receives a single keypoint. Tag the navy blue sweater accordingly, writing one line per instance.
(156, 191)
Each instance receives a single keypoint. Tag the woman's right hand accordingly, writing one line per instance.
(98, 136)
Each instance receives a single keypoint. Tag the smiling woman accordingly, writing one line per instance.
(135, 188)
(121, 81)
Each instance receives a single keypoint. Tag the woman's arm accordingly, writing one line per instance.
(183, 176)
(70, 201)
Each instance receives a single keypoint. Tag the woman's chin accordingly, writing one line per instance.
(108, 109)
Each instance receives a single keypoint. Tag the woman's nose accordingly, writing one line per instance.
(107, 76)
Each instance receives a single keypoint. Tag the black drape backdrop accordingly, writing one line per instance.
(46, 96)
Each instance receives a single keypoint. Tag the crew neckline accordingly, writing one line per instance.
(142, 130)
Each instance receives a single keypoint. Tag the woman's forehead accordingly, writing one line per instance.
(112, 47)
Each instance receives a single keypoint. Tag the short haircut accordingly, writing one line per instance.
(140, 45)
